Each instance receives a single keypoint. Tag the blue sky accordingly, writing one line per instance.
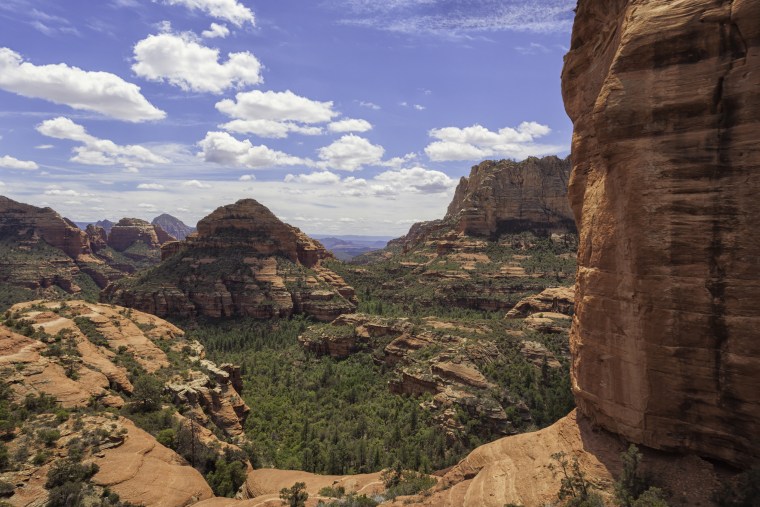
(341, 116)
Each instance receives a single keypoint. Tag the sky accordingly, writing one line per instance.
(341, 116)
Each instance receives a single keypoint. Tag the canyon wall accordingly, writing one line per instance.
(665, 100)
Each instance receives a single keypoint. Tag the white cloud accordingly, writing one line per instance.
(94, 151)
(2, 184)
(350, 153)
(181, 61)
(269, 128)
(419, 107)
(418, 179)
(247, 177)
(318, 178)
(532, 48)
(477, 142)
(44, 147)
(450, 19)
(102, 92)
(369, 105)
(151, 186)
(9, 162)
(222, 148)
(276, 106)
(196, 184)
(216, 31)
(350, 125)
(228, 10)
(66, 193)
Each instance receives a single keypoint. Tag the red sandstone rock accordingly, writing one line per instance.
(665, 101)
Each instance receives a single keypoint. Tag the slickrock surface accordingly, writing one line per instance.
(243, 261)
(516, 470)
(142, 471)
(665, 100)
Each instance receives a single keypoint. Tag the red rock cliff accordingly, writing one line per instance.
(665, 100)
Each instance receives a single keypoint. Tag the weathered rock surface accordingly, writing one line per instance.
(173, 226)
(504, 196)
(128, 231)
(243, 261)
(665, 101)
(142, 471)
(516, 470)
(44, 255)
(553, 299)
(443, 358)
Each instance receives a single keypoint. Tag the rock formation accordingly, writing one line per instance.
(128, 231)
(665, 101)
(501, 197)
(86, 355)
(243, 261)
(46, 255)
(173, 226)
(29, 223)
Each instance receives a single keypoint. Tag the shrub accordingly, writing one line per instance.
(227, 477)
(146, 396)
(67, 470)
(4, 457)
(295, 496)
(6, 489)
(48, 436)
(334, 492)
(66, 495)
(573, 483)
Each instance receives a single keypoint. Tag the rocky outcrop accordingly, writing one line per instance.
(128, 231)
(173, 226)
(45, 255)
(243, 261)
(503, 197)
(665, 101)
(26, 223)
(553, 299)
(445, 359)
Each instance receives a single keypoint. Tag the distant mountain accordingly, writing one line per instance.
(173, 226)
(105, 224)
(347, 247)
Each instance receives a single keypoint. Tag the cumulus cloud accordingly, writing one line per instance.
(478, 142)
(228, 10)
(276, 106)
(196, 184)
(317, 178)
(102, 92)
(216, 31)
(151, 186)
(350, 153)
(247, 177)
(8, 162)
(181, 61)
(222, 148)
(418, 179)
(350, 125)
(369, 105)
(269, 128)
(94, 151)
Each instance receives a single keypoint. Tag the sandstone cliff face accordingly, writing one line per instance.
(243, 261)
(127, 231)
(501, 197)
(665, 100)
(23, 221)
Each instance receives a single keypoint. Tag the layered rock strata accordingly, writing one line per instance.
(665, 101)
(243, 261)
